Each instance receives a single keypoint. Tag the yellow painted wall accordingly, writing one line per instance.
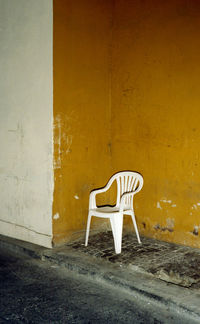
(82, 34)
(127, 96)
(156, 112)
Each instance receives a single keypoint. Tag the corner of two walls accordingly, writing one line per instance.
(152, 126)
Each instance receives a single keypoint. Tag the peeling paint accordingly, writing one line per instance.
(157, 226)
(68, 140)
(158, 205)
(169, 227)
(166, 201)
(195, 206)
(76, 197)
(170, 223)
(56, 216)
(61, 140)
(57, 142)
(196, 230)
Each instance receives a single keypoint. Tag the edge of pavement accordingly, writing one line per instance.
(184, 301)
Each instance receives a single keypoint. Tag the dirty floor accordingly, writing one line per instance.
(169, 262)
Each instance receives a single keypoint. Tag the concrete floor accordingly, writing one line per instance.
(32, 291)
(169, 262)
(78, 284)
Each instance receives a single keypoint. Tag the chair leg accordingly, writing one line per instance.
(88, 228)
(136, 229)
(116, 225)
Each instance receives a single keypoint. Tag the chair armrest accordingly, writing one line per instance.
(93, 193)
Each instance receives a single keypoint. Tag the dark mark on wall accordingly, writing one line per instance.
(163, 229)
(144, 225)
(195, 231)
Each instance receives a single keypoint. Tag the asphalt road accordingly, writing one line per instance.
(33, 291)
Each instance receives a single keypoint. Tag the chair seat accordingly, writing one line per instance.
(102, 211)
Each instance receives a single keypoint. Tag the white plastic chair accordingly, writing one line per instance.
(128, 184)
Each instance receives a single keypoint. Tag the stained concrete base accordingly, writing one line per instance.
(170, 262)
(159, 272)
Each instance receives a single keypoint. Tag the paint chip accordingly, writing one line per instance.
(56, 216)
(174, 205)
(157, 226)
(158, 205)
(170, 223)
(194, 206)
(166, 201)
(76, 197)
(196, 230)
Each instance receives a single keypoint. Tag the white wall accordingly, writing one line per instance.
(26, 114)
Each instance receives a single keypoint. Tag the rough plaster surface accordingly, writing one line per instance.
(82, 149)
(26, 109)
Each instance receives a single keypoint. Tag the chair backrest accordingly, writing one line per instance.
(130, 182)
